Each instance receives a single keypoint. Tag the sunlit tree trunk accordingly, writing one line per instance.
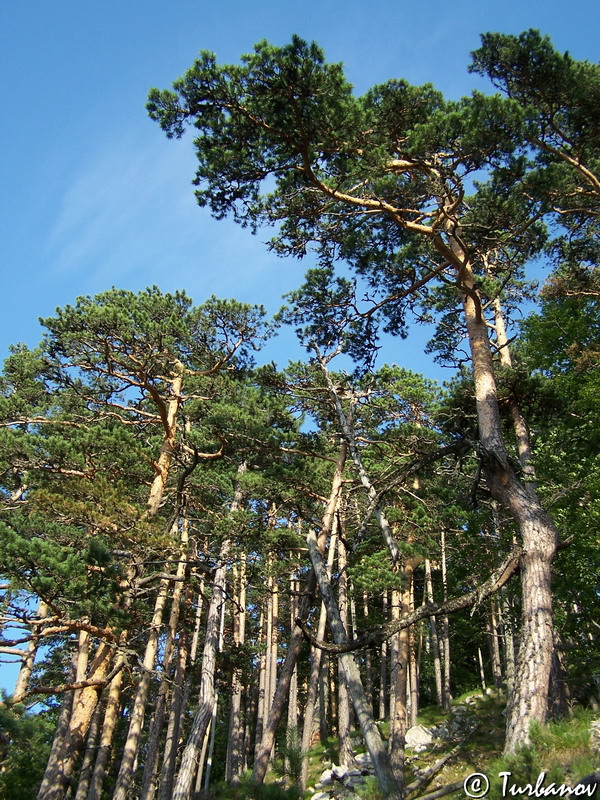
(148, 785)
(61, 764)
(28, 661)
(130, 749)
(87, 766)
(529, 699)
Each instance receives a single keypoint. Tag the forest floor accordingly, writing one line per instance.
(562, 750)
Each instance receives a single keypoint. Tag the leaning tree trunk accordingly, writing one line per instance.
(529, 700)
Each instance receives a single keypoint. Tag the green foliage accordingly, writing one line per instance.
(26, 739)
(247, 790)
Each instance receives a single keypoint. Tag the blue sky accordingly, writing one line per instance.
(94, 195)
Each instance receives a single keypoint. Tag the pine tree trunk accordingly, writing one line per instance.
(345, 742)
(28, 661)
(481, 670)
(130, 749)
(383, 666)
(234, 763)
(315, 669)
(148, 785)
(213, 722)
(368, 657)
(435, 643)
(413, 661)
(447, 694)
(163, 463)
(111, 716)
(87, 766)
(61, 764)
(398, 688)
(493, 640)
(529, 700)
(295, 644)
(202, 718)
(508, 639)
(262, 682)
(369, 730)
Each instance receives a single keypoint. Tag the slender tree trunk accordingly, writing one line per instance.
(294, 646)
(111, 716)
(315, 669)
(148, 785)
(508, 640)
(29, 660)
(177, 705)
(493, 641)
(87, 766)
(325, 717)
(213, 722)
(189, 761)
(383, 666)
(368, 657)
(234, 763)
(435, 643)
(62, 726)
(413, 660)
(262, 681)
(369, 729)
(398, 688)
(481, 670)
(445, 630)
(130, 750)
(345, 742)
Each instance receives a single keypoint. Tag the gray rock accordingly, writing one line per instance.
(417, 736)
(353, 773)
(587, 782)
(339, 773)
(321, 796)
(363, 759)
(326, 777)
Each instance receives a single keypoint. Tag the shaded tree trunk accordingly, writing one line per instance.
(202, 718)
(294, 646)
(435, 643)
(369, 730)
(235, 760)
